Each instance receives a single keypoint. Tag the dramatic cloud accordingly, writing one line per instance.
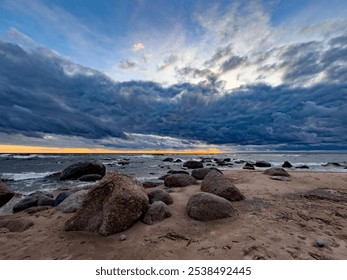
(45, 95)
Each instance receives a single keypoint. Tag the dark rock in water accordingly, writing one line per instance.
(179, 180)
(73, 202)
(5, 194)
(206, 160)
(276, 171)
(123, 162)
(160, 195)
(178, 160)
(43, 200)
(262, 163)
(177, 172)
(206, 207)
(280, 178)
(239, 161)
(287, 164)
(17, 225)
(156, 212)
(227, 159)
(192, 164)
(248, 166)
(116, 203)
(148, 185)
(79, 169)
(217, 184)
(200, 173)
(90, 178)
(221, 162)
(164, 177)
(60, 198)
(55, 176)
(168, 159)
(335, 164)
(25, 204)
(320, 243)
(302, 167)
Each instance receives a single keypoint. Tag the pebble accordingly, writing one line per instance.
(320, 243)
(123, 237)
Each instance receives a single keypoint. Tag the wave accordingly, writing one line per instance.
(27, 156)
(24, 176)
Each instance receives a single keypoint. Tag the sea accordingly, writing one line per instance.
(28, 173)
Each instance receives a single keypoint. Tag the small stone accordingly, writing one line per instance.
(320, 243)
(122, 237)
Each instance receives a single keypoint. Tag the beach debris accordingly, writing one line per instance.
(262, 163)
(90, 178)
(320, 243)
(160, 195)
(276, 171)
(60, 198)
(218, 184)
(6, 194)
(79, 169)
(73, 202)
(287, 164)
(174, 236)
(122, 237)
(156, 212)
(179, 180)
(192, 164)
(248, 166)
(112, 206)
(207, 207)
(200, 173)
(16, 225)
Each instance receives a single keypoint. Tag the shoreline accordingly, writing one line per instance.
(274, 222)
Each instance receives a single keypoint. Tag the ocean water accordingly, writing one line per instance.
(27, 173)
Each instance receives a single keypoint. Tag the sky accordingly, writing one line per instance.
(161, 74)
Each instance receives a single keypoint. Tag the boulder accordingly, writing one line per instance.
(5, 194)
(160, 195)
(148, 185)
(156, 212)
(90, 178)
(216, 183)
(178, 172)
(112, 206)
(17, 225)
(79, 169)
(192, 164)
(262, 163)
(178, 160)
(44, 200)
(276, 171)
(60, 198)
(30, 201)
(207, 207)
(55, 176)
(248, 166)
(287, 164)
(302, 167)
(200, 173)
(179, 180)
(73, 202)
(168, 159)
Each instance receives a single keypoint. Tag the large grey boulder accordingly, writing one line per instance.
(5, 194)
(200, 173)
(179, 180)
(79, 169)
(73, 202)
(156, 212)
(216, 183)
(206, 207)
(112, 206)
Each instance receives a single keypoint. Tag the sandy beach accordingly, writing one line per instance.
(277, 220)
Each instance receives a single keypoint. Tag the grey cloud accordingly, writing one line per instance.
(232, 63)
(221, 53)
(127, 65)
(168, 61)
(42, 93)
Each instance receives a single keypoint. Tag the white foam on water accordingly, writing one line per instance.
(24, 176)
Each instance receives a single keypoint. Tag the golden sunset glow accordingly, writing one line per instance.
(18, 149)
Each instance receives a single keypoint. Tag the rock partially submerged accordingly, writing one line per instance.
(179, 181)
(262, 163)
(192, 164)
(216, 183)
(90, 178)
(287, 164)
(5, 194)
(113, 205)
(207, 207)
(80, 169)
(156, 212)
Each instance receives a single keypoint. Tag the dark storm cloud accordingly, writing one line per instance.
(43, 93)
